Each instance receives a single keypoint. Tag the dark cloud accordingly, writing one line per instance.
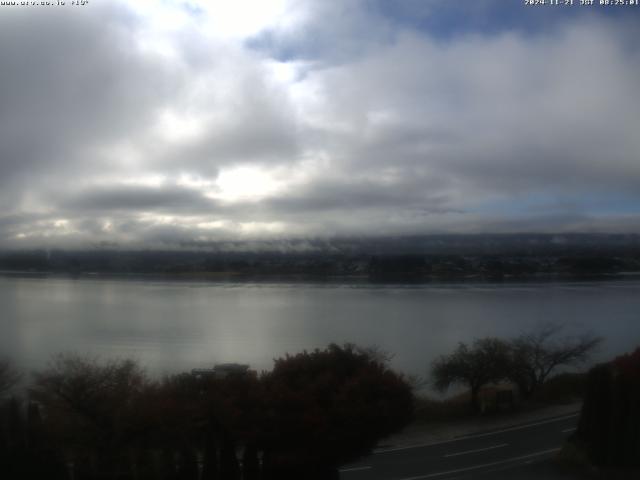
(351, 197)
(137, 198)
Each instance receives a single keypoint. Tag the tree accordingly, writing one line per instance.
(482, 363)
(94, 410)
(311, 413)
(329, 407)
(219, 414)
(535, 355)
(609, 425)
(8, 376)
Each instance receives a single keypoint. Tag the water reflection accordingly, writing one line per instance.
(171, 326)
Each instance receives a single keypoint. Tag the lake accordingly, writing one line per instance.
(172, 326)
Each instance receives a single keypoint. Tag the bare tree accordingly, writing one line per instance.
(9, 377)
(375, 352)
(482, 363)
(535, 355)
(93, 406)
(87, 386)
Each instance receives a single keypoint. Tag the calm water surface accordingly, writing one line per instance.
(172, 326)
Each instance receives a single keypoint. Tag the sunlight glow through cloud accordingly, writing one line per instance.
(245, 183)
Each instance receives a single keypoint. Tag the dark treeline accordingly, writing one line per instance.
(405, 258)
(609, 428)
(81, 418)
(86, 419)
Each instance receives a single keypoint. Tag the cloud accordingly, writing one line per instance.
(72, 80)
(132, 198)
(147, 123)
(505, 115)
(349, 195)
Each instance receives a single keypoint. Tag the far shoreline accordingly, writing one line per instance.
(241, 278)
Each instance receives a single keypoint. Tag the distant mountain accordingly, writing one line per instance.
(419, 258)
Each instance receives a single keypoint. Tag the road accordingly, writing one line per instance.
(470, 456)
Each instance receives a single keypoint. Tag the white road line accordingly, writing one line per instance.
(476, 435)
(566, 430)
(518, 427)
(457, 454)
(485, 465)
(355, 469)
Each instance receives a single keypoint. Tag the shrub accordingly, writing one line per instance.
(610, 419)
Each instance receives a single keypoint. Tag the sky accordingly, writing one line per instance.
(160, 123)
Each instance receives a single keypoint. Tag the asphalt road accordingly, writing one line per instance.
(494, 454)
